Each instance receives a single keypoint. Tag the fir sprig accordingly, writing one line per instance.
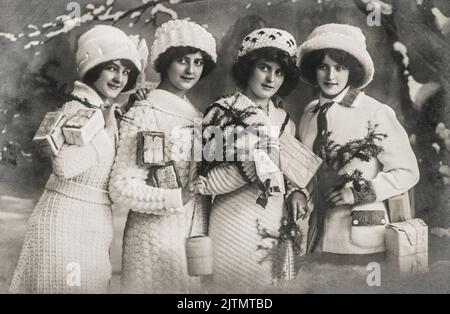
(225, 117)
(336, 157)
(287, 247)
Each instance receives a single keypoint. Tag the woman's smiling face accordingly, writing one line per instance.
(112, 80)
(265, 80)
(184, 72)
(332, 77)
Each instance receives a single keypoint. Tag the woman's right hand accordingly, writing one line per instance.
(298, 205)
(140, 94)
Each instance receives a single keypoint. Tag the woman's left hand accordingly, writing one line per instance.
(138, 95)
(341, 197)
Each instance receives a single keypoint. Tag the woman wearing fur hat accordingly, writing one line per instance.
(153, 257)
(366, 152)
(244, 207)
(66, 248)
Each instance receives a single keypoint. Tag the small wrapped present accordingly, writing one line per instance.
(83, 126)
(399, 208)
(298, 163)
(166, 177)
(49, 137)
(407, 245)
(150, 148)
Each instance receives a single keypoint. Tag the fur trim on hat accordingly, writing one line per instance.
(104, 43)
(268, 37)
(343, 37)
(182, 33)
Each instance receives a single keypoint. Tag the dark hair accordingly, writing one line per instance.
(244, 66)
(93, 74)
(167, 57)
(310, 61)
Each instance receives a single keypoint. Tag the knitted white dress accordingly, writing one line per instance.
(239, 266)
(153, 257)
(66, 246)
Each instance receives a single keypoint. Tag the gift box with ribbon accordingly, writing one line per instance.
(298, 163)
(407, 245)
(166, 177)
(268, 171)
(83, 126)
(49, 136)
(150, 148)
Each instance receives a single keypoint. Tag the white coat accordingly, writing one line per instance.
(393, 172)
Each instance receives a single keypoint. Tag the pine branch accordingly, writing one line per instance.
(366, 148)
(337, 156)
(223, 118)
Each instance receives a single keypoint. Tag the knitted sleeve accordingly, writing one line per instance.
(128, 180)
(400, 169)
(73, 160)
(230, 177)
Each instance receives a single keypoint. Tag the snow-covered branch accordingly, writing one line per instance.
(34, 36)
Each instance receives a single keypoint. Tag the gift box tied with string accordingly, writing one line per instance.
(83, 126)
(49, 137)
(407, 246)
(299, 164)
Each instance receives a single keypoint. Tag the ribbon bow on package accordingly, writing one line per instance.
(270, 175)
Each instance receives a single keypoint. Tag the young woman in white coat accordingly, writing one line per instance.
(159, 217)
(371, 146)
(67, 241)
(244, 206)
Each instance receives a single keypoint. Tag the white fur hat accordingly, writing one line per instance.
(182, 33)
(342, 37)
(268, 37)
(104, 43)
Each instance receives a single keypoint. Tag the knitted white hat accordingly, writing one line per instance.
(182, 33)
(342, 37)
(268, 37)
(104, 43)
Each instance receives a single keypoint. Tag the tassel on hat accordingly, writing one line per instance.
(343, 37)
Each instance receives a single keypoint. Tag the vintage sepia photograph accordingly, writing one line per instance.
(225, 147)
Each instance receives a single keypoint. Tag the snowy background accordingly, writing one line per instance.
(408, 39)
